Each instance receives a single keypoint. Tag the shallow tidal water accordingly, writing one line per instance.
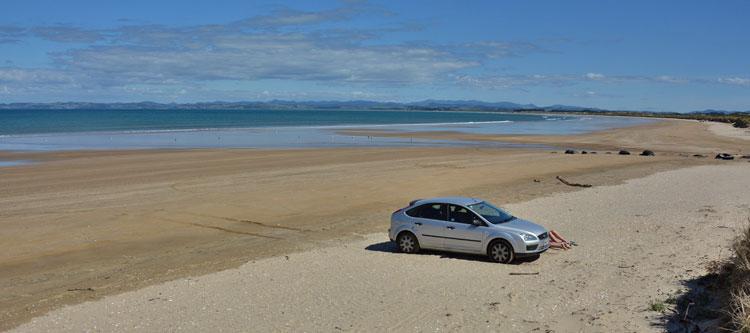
(35, 130)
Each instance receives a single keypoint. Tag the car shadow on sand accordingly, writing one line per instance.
(390, 247)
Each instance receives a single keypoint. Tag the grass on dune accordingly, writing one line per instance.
(738, 270)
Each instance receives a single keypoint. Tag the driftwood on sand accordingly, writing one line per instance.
(572, 184)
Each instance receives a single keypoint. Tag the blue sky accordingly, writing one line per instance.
(635, 55)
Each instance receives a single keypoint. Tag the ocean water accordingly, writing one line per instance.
(138, 129)
(10, 163)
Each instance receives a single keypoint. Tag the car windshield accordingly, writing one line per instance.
(491, 213)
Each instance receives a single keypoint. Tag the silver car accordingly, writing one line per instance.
(465, 225)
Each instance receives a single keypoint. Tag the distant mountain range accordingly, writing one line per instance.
(427, 105)
(712, 111)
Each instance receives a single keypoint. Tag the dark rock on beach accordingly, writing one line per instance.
(724, 156)
(648, 153)
(624, 152)
(570, 151)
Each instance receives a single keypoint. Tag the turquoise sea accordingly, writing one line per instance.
(137, 129)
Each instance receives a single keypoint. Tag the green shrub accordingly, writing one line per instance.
(657, 306)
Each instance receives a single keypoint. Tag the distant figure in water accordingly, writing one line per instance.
(557, 241)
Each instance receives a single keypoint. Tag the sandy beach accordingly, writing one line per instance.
(82, 226)
(630, 253)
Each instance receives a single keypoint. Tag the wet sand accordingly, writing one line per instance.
(666, 135)
(77, 226)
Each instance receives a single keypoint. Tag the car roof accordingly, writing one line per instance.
(463, 201)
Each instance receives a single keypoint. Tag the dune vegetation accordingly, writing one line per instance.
(738, 270)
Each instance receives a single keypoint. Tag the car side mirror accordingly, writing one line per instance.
(477, 223)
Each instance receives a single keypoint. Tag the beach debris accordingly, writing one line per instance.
(699, 155)
(609, 152)
(745, 156)
(724, 156)
(570, 151)
(584, 152)
(537, 180)
(592, 152)
(624, 152)
(81, 289)
(523, 273)
(572, 184)
(687, 310)
(648, 153)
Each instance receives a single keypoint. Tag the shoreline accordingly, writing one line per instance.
(117, 221)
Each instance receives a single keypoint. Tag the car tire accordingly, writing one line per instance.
(407, 242)
(501, 251)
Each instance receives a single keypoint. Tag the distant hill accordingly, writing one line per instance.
(712, 111)
(426, 105)
(560, 107)
(440, 105)
(432, 103)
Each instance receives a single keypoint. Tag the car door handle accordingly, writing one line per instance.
(418, 223)
(450, 227)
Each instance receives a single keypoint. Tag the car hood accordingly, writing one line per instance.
(523, 225)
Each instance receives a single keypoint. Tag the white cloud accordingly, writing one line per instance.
(291, 17)
(740, 81)
(512, 81)
(33, 76)
(670, 79)
(286, 45)
(267, 56)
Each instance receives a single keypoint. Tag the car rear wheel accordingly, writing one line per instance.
(500, 251)
(407, 243)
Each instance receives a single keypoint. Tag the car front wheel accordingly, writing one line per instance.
(407, 243)
(500, 251)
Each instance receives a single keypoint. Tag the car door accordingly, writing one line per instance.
(461, 233)
(430, 222)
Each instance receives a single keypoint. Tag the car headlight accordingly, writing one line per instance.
(528, 237)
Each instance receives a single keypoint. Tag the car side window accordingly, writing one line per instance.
(460, 214)
(434, 211)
